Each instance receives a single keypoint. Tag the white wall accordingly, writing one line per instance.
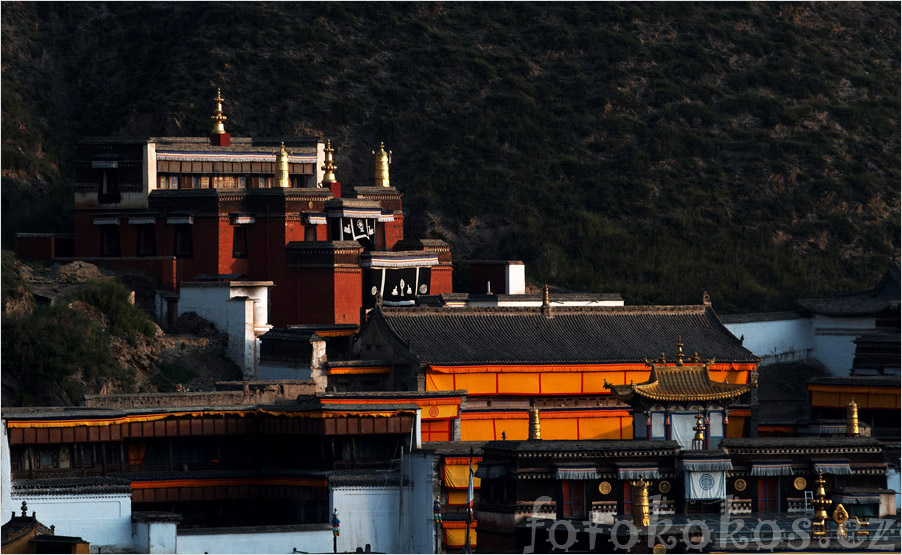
(101, 520)
(421, 469)
(515, 279)
(834, 341)
(309, 541)
(162, 537)
(776, 340)
(241, 312)
(6, 501)
(894, 483)
(369, 515)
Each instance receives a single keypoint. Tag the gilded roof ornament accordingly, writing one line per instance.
(282, 179)
(679, 355)
(328, 166)
(217, 117)
(535, 426)
(383, 159)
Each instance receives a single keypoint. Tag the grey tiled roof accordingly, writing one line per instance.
(883, 296)
(581, 446)
(577, 335)
(760, 317)
(799, 442)
(872, 381)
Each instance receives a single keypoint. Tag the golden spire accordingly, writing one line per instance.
(217, 117)
(820, 502)
(535, 427)
(679, 345)
(852, 418)
(282, 168)
(328, 166)
(545, 296)
(383, 159)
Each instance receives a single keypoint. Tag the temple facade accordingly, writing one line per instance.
(222, 208)
(561, 358)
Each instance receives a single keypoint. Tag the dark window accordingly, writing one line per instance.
(239, 241)
(47, 458)
(183, 245)
(147, 242)
(768, 496)
(573, 498)
(109, 240)
(310, 233)
(108, 186)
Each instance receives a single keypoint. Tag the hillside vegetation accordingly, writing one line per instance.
(657, 150)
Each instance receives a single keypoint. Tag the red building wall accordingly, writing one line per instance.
(440, 280)
(348, 295)
(87, 234)
(394, 232)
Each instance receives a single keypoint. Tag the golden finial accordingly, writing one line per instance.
(217, 117)
(545, 301)
(640, 501)
(679, 356)
(328, 166)
(698, 442)
(852, 418)
(535, 427)
(282, 168)
(383, 159)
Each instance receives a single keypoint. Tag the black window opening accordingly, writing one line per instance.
(183, 244)
(108, 186)
(573, 497)
(239, 241)
(147, 241)
(109, 240)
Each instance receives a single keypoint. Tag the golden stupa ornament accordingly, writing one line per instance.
(217, 117)
(282, 179)
(535, 426)
(640, 501)
(852, 418)
(328, 166)
(383, 159)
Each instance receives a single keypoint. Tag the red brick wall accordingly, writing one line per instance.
(441, 280)
(394, 232)
(294, 231)
(348, 295)
(315, 296)
(227, 264)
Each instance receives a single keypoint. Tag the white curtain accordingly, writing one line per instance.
(657, 425)
(706, 485)
(681, 429)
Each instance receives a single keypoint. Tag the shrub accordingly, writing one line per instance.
(112, 298)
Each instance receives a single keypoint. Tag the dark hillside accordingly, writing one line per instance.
(657, 150)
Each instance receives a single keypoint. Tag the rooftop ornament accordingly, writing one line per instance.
(852, 418)
(328, 166)
(698, 442)
(535, 427)
(640, 501)
(383, 159)
(819, 522)
(282, 168)
(217, 117)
